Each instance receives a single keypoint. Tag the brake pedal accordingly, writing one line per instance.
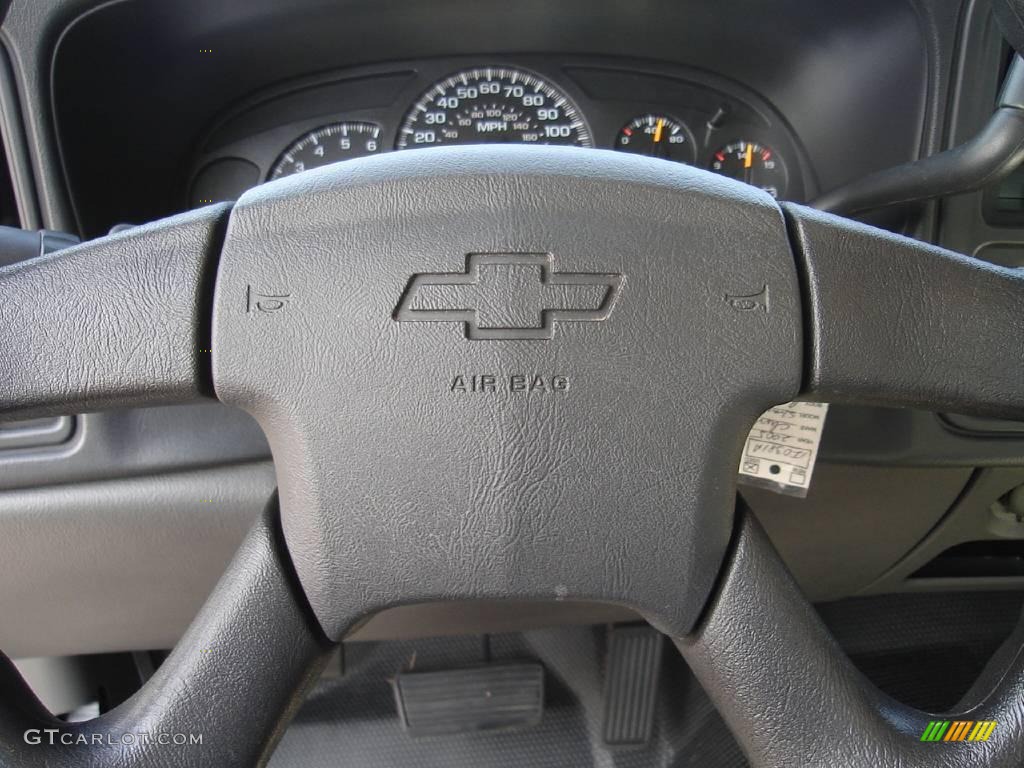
(631, 684)
(492, 697)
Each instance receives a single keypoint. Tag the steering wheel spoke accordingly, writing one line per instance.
(223, 696)
(792, 697)
(120, 321)
(894, 321)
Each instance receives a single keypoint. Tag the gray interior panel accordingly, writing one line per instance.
(119, 565)
(976, 517)
(855, 522)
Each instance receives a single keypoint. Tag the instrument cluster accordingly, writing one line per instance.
(674, 115)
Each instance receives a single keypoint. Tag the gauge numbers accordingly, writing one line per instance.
(753, 163)
(330, 144)
(657, 136)
(493, 105)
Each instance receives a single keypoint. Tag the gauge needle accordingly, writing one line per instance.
(748, 159)
(657, 130)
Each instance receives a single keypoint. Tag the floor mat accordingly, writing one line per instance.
(897, 641)
(350, 721)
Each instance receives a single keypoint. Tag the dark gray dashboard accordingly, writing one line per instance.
(856, 83)
(115, 111)
(713, 111)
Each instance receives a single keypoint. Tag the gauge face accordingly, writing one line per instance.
(330, 144)
(493, 105)
(657, 136)
(753, 163)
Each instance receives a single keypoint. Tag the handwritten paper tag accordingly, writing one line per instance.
(782, 447)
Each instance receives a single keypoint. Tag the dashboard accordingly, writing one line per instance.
(642, 107)
(129, 111)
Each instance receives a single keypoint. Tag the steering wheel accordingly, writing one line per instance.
(516, 373)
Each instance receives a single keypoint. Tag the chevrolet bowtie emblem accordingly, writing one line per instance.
(509, 296)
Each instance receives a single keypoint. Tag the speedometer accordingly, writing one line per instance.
(493, 105)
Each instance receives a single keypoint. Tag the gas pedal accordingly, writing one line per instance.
(631, 685)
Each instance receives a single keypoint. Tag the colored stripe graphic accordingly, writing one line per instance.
(958, 730)
(990, 726)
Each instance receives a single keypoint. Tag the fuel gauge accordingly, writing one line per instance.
(657, 136)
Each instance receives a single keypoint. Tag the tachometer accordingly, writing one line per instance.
(330, 144)
(492, 105)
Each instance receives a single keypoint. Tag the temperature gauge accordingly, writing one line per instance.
(752, 163)
(657, 136)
